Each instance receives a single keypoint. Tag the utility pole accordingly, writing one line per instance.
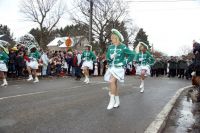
(152, 49)
(90, 24)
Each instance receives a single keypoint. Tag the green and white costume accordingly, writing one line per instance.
(34, 57)
(88, 57)
(144, 62)
(117, 57)
(3, 61)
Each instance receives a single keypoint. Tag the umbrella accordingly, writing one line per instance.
(4, 45)
(27, 40)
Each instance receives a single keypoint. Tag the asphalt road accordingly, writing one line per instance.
(67, 106)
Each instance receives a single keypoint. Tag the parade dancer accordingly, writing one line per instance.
(144, 61)
(32, 63)
(3, 67)
(118, 55)
(87, 56)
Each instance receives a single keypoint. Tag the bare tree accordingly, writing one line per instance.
(106, 15)
(46, 13)
(185, 50)
(157, 54)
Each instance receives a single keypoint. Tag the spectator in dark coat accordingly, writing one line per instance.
(196, 52)
(172, 67)
(76, 64)
(20, 62)
(182, 66)
(12, 63)
(69, 62)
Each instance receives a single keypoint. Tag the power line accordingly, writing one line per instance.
(160, 1)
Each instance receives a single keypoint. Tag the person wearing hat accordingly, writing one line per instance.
(12, 62)
(32, 63)
(3, 67)
(87, 57)
(144, 62)
(118, 55)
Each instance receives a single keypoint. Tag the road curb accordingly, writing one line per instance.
(160, 121)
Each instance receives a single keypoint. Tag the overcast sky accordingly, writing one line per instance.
(170, 25)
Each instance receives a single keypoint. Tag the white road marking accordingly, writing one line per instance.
(28, 94)
(99, 82)
(105, 88)
(41, 92)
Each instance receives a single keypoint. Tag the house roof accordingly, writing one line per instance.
(60, 41)
(57, 42)
(1, 35)
(5, 38)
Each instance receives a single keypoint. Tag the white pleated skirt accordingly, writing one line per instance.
(32, 64)
(143, 67)
(118, 73)
(88, 64)
(3, 67)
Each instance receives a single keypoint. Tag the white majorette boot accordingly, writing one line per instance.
(117, 102)
(30, 78)
(142, 90)
(5, 83)
(36, 80)
(112, 102)
(87, 81)
(142, 84)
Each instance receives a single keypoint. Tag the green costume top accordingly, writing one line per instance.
(34, 55)
(4, 57)
(123, 55)
(144, 58)
(88, 56)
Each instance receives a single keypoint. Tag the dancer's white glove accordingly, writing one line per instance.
(112, 56)
(140, 59)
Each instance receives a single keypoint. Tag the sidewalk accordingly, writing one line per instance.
(185, 116)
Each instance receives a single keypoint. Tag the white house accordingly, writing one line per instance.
(59, 43)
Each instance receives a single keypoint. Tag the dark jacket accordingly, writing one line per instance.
(172, 64)
(182, 64)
